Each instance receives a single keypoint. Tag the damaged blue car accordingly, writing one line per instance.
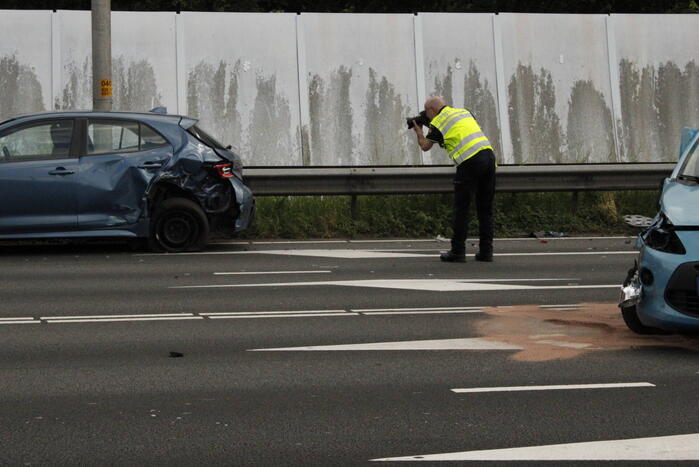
(661, 291)
(142, 176)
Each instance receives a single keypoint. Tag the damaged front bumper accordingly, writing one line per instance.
(631, 289)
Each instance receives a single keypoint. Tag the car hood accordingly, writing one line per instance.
(681, 203)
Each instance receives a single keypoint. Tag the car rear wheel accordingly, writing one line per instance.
(179, 225)
(630, 316)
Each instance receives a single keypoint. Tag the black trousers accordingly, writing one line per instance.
(474, 176)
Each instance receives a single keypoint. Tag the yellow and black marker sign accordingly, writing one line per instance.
(106, 86)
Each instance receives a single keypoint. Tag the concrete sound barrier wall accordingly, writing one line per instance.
(334, 89)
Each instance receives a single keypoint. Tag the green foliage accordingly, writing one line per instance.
(415, 216)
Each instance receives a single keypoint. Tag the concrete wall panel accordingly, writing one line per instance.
(659, 83)
(25, 62)
(361, 85)
(462, 71)
(556, 69)
(143, 61)
(242, 82)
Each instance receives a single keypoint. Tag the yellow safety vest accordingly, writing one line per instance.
(463, 137)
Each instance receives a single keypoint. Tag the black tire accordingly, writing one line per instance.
(630, 316)
(179, 225)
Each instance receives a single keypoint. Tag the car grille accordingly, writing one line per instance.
(683, 301)
(681, 291)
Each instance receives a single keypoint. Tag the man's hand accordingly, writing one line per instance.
(423, 142)
(418, 129)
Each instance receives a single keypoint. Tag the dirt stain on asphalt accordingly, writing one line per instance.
(570, 331)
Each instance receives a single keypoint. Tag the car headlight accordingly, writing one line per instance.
(661, 236)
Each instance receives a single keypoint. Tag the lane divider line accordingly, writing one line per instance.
(228, 313)
(282, 316)
(154, 315)
(555, 387)
(435, 308)
(110, 320)
(251, 273)
(422, 312)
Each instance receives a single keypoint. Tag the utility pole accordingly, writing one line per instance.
(102, 55)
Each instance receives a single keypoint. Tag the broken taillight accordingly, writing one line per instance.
(224, 170)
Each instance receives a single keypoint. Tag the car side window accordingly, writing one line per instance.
(44, 140)
(105, 137)
(120, 136)
(150, 139)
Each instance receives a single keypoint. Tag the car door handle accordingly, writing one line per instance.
(61, 171)
(151, 165)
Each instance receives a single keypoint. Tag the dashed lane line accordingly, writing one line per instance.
(233, 315)
(554, 387)
(264, 273)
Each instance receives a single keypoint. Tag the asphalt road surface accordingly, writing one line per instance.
(336, 353)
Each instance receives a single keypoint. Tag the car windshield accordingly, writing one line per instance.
(204, 137)
(691, 167)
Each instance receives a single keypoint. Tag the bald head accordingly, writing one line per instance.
(433, 105)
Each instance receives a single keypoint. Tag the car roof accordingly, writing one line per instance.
(141, 116)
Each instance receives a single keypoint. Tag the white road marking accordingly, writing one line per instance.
(300, 242)
(299, 315)
(109, 320)
(424, 312)
(415, 240)
(661, 448)
(378, 254)
(289, 312)
(439, 344)
(155, 315)
(558, 238)
(251, 273)
(555, 387)
(428, 285)
(423, 240)
(571, 253)
(233, 315)
(362, 310)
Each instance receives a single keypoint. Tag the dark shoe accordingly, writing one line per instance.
(452, 257)
(485, 257)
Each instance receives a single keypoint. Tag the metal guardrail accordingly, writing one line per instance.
(283, 181)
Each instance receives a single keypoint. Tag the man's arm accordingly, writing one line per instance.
(423, 142)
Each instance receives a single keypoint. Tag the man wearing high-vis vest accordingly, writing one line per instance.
(457, 131)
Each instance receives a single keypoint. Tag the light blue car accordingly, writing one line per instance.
(136, 176)
(661, 291)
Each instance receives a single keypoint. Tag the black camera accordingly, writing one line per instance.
(421, 120)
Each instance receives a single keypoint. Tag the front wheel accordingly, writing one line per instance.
(630, 316)
(179, 225)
